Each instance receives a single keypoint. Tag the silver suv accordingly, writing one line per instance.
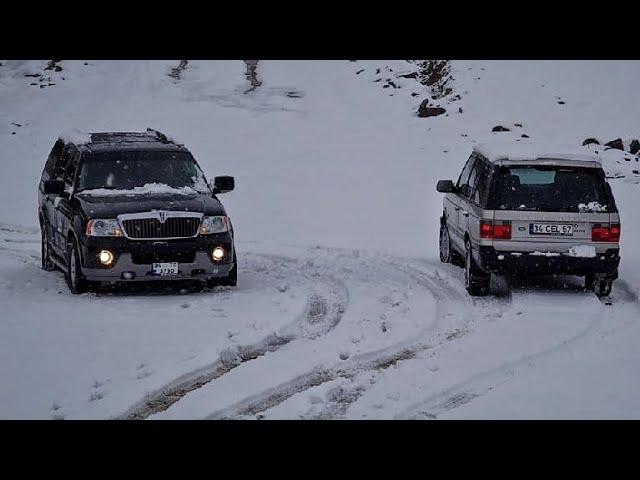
(518, 210)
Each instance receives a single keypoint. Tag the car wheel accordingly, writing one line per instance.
(77, 284)
(445, 245)
(603, 287)
(45, 253)
(475, 281)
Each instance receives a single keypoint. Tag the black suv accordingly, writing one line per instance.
(132, 206)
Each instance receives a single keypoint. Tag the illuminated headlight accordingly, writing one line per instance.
(218, 224)
(104, 228)
(218, 254)
(105, 257)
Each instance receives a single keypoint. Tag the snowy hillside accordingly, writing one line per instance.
(342, 309)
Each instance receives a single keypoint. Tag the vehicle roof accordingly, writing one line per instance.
(119, 141)
(536, 153)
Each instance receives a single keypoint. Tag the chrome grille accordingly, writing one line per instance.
(173, 227)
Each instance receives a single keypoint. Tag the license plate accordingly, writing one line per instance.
(165, 269)
(551, 229)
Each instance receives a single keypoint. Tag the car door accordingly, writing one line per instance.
(47, 174)
(471, 215)
(63, 208)
(457, 205)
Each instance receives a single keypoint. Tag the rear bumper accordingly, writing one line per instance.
(134, 260)
(501, 262)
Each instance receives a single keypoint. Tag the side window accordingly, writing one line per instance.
(61, 163)
(471, 184)
(54, 155)
(480, 188)
(463, 180)
(72, 165)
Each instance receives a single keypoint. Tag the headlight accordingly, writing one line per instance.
(104, 228)
(214, 225)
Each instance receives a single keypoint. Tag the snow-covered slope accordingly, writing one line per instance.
(336, 215)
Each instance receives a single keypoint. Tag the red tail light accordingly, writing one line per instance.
(496, 232)
(603, 233)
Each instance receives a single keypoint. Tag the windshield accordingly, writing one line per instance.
(551, 189)
(140, 171)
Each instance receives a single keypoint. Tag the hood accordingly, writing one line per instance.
(112, 206)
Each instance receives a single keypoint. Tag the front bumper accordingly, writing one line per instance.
(500, 262)
(134, 259)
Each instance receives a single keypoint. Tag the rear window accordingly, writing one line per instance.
(552, 189)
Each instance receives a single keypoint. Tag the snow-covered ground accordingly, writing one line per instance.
(342, 309)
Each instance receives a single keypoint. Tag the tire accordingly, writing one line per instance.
(45, 252)
(76, 282)
(602, 287)
(475, 281)
(445, 245)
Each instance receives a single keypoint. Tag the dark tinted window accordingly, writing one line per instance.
(127, 170)
(463, 180)
(552, 189)
(61, 163)
(467, 190)
(479, 193)
(71, 166)
(54, 155)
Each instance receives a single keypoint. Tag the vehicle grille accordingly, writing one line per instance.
(173, 227)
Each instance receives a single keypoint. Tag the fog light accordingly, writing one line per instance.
(105, 257)
(218, 254)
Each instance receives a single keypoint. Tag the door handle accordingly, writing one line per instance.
(458, 209)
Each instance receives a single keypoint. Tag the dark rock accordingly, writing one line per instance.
(359, 71)
(634, 146)
(32, 75)
(13, 133)
(500, 128)
(86, 63)
(409, 75)
(524, 135)
(58, 68)
(378, 80)
(392, 84)
(517, 125)
(561, 102)
(414, 94)
(459, 109)
(637, 172)
(589, 141)
(377, 71)
(616, 144)
(425, 111)
(385, 86)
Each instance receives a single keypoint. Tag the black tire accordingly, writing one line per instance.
(76, 282)
(475, 281)
(45, 252)
(445, 245)
(600, 286)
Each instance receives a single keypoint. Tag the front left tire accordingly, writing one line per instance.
(76, 282)
(45, 253)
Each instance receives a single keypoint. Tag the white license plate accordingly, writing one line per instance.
(165, 268)
(551, 229)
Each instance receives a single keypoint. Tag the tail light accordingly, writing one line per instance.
(604, 233)
(495, 231)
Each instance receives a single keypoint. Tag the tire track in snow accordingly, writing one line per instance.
(323, 312)
(482, 383)
(379, 360)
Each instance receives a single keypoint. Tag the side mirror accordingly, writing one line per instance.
(223, 184)
(445, 186)
(54, 187)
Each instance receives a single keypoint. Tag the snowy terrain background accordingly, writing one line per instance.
(342, 309)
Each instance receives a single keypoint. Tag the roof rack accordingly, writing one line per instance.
(159, 135)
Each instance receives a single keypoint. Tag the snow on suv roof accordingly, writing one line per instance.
(529, 152)
(109, 141)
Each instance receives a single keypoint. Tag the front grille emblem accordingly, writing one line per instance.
(162, 216)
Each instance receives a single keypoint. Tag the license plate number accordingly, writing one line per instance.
(550, 229)
(165, 269)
